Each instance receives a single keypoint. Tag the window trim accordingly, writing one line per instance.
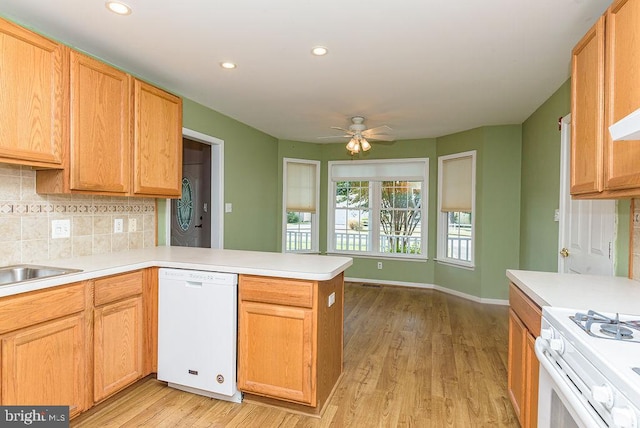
(315, 222)
(331, 205)
(442, 216)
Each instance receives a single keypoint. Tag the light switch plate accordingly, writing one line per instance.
(228, 207)
(133, 225)
(60, 228)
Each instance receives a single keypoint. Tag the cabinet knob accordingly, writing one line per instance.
(564, 253)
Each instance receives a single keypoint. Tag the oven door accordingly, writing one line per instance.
(560, 402)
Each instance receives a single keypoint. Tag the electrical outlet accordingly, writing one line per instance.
(133, 225)
(379, 265)
(118, 225)
(331, 300)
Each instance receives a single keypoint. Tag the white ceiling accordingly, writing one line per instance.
(426, 68)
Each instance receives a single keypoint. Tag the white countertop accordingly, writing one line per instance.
(582, 292)
(299, 266)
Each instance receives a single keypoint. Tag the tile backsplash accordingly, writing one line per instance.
(26, 221)
(636, 240)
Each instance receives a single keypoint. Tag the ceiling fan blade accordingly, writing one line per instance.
(348, 131)
(336, 136)
(380, 137)
(377, 130)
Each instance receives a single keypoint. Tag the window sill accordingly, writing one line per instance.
(456, 264)
(378, 256)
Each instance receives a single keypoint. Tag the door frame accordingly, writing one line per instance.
(217, 188)
(565, 184)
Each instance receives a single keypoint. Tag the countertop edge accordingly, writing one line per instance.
(108, 269)
(579, 291)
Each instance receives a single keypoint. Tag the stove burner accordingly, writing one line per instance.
(610, 328)
(615, 330)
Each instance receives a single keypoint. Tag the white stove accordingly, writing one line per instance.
(590, 369)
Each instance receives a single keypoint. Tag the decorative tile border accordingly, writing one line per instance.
(19, 208)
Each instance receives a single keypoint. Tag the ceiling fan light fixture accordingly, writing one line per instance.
(365, 144)
(319, 51)
(118, 7)
(352, 146)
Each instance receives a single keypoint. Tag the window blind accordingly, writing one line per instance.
(301, 187)
(388, 170)
(457, 184)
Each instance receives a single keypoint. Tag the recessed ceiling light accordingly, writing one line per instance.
(118, 7)
(319, 51)
(228, 65)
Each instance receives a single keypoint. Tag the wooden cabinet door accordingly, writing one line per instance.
(622, 170)
(157, 163)
(118, 337)
(45, 365)
(587, 111)
(34, 97)
(276, 351)
(516, 381)
(533, 372)
(100, 153)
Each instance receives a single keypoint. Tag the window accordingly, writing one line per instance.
(456, 206)
(377, 209)
(301, 179)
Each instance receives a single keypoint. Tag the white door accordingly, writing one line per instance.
(587, 227)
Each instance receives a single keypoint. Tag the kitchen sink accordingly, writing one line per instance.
(20, 273)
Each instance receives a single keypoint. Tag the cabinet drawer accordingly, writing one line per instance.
(28, 309)
(117, 287)
(281, 291)
(527, 311)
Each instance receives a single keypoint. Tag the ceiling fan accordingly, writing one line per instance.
(359, 134)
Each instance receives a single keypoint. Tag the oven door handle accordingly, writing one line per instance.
(573, 396)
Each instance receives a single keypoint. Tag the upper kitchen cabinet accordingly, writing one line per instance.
(100, 144)
(587, 108)
(100, 136)
(33, 98)
(605, 87)
(157, 142)
(622, 88)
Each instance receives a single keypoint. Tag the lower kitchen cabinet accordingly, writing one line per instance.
(277, 353)
(118, 333)
(44, 348)
(524, 326)
(290, 339)
(45, 365)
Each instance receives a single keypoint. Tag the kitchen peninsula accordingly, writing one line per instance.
(110, 307)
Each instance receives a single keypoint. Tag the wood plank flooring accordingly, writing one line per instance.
(413, 358)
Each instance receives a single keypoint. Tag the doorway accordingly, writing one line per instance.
(191, 220)
(196, 219)
(587, 229)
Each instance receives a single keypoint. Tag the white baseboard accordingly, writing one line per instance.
(433, 287)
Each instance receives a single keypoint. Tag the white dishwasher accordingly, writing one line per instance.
(197, 332)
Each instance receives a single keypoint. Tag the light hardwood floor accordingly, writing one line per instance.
(413, 358)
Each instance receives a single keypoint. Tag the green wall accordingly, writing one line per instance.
(250, 178)
(497, 221)
(541, 183)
